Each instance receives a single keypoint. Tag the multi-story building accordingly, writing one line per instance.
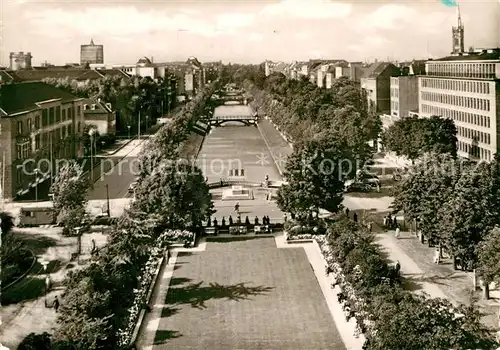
(20, 60)
(40, 125)
(404, 95)
(91, 54)
(466, 88)
(100, 115)
(376, 82)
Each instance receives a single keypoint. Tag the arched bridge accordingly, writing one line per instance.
(244, 119)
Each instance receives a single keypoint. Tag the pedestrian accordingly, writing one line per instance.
(397, 268)
(355, 217)
(247, 220)
(239, 219)
(209, 221)
(215, 222)
(56, 304)
(268, 221)
(223, 222)
(256, 220)
(385, 221)
(347, 212)
(389, 221)
(237, 208)
(264, 222)
(397, 234)
(395, 222)
(437, 257)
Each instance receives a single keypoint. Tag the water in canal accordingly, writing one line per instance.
(235, 146)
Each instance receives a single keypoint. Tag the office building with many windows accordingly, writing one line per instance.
(40, 124)
(466, 88)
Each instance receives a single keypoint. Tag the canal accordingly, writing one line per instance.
(235, 146)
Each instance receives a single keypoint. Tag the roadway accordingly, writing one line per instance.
(120, 176)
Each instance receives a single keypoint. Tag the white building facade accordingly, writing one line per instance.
(466, 89)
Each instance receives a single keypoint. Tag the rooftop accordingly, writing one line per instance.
(487, 54)
(21, 97)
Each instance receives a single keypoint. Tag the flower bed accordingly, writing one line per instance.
(175, 236)
(141, 293)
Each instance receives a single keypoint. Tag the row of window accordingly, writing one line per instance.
(394, 106)
(395, 92)
(458, 116)
(462, 70)
(474, 150)
(44, 140)
(475, 135)
(460, 101)
(50, 116)
(457, 85)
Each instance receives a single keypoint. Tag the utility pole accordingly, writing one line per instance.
(107, 199)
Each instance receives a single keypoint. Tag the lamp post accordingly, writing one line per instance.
(128, 126)
(92, 137)
(36, 185)
(44, 263)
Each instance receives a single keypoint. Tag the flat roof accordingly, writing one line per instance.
(233, 111)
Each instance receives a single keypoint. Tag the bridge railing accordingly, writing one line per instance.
(228, 117)
(233, 182)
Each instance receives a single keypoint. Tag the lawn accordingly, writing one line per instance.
(245, 294)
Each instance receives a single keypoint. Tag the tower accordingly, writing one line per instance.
(458, 35)
(20, 60)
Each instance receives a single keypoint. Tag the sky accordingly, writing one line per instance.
(248, 31)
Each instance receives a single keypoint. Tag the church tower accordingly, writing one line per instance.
(458, 36)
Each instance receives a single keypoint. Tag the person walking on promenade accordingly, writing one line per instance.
(397, 234)
(437, 257)
(355, 217)
(237, 208)
(230, 220)
(347, 212)
(397, 268)
(56, 304)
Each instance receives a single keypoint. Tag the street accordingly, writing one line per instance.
(119, 177)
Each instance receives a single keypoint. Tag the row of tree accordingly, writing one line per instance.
(456, 203)
(98, 299)
(330, 129)
(389, 316)
(129, 96)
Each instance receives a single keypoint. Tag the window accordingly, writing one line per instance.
(64, 115)
(79, 125)
(45, 119)
(85, 107)
(37, 122)
(19, 128)
(37, 142)
(51, 116)
(92, 107)
(19, 152)
(58, 114)
(30, 126)
(79, 111)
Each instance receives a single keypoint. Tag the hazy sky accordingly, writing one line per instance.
(243, 31)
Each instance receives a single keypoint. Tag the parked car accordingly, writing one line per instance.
(358, 187)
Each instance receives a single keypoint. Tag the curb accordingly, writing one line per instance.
(142, 314)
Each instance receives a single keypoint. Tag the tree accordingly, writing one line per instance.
(35, 341)
(417, 322)
(412, 137)
(315, 176)
(422, 194)
(177, 192)
(488, 252)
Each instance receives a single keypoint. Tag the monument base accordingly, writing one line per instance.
(236, 193)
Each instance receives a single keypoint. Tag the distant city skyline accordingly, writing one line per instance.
(244, 31)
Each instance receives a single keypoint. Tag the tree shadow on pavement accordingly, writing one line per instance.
(196, 295)
(38, 243)
(414, 281)
(28, 289)
(162, 336)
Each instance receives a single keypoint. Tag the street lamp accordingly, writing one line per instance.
(92, 140)
(79, 241)
(128, 126)
(36, 185)
(44, 263)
